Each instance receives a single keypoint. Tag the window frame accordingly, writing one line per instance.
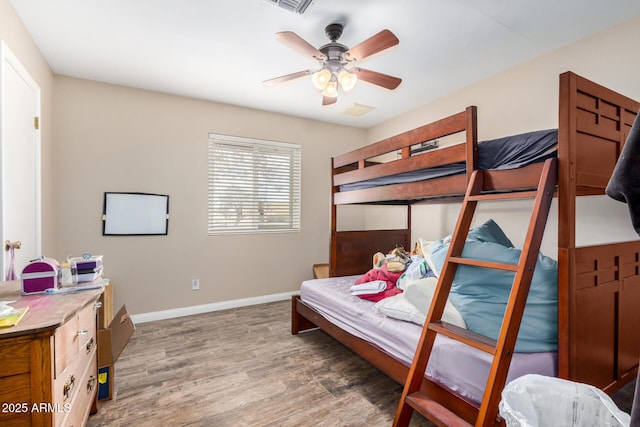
(258, 202)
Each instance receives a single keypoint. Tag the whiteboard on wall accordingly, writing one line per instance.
(135, 214)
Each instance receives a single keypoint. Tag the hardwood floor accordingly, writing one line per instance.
(242, 367)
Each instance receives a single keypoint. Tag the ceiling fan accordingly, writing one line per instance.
(334, 58)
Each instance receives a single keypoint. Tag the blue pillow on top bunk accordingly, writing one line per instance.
(481, 294)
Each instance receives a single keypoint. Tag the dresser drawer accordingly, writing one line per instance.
(87, 390)
(72, 384)
(76, 337)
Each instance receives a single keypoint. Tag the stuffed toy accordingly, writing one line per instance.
(396, 260)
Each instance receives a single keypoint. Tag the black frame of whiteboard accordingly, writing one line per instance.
(161, 217)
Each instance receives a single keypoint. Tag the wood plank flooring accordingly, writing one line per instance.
(242, 367)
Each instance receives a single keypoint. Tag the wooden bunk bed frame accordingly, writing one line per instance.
(598, 286)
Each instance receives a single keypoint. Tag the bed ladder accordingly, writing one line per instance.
(414, 396)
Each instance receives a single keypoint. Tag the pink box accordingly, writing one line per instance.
(39, 275)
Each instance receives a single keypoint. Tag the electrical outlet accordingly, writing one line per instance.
(195, 284)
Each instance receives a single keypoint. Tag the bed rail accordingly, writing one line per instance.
(360, 167)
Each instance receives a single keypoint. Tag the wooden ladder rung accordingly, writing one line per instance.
(481, 342)
(504, 196)
(438, 414)
(482, 263)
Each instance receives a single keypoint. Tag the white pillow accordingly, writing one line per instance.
(419, 293)
(425, 246)
(404, 306)
(397, 307)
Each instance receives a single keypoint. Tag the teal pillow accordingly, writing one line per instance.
(481, 294)
(489, 232)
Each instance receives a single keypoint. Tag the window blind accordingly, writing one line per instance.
(254, 185)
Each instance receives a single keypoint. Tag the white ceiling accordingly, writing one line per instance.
(223, 50)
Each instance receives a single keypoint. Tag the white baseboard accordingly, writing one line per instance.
(206, 308)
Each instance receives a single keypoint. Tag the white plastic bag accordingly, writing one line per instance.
(539, 401)
(417, 269)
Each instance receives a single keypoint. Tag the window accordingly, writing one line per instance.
(254, 185)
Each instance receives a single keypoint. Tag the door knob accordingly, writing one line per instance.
(15, 245)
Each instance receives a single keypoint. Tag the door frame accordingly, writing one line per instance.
(8, 59)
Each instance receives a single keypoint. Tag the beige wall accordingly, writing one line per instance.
(525, 98)
(19, 41)
(112, 138)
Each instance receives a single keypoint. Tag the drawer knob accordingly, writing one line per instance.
(66, 390)
(91, 383)
(98, 304)
(89, 345)
(83, 332)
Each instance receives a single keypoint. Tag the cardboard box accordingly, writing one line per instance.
(111, 342)
(105, 314)
(320, 271)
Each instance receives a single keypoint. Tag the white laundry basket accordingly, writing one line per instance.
(540, 401)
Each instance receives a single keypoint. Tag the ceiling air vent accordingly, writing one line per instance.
(357, 110)
(297, 6)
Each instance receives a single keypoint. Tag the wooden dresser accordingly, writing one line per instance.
(48, 365)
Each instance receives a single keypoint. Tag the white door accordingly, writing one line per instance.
(20, 162)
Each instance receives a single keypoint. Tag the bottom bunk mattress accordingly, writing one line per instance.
(461, 368)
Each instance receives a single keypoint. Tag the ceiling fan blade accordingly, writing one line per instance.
(298, 44)
(376, 78)
(374, 44)
(328, 101)
(282, 79)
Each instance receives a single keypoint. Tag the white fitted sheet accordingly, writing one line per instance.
(461, 368)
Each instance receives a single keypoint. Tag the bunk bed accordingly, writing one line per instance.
(598, 286)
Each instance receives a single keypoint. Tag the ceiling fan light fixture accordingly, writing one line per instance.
(321, 78)
(347, 80)
(331, 89)
(333, 59)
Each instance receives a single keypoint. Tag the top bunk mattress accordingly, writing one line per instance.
(509, 152)
(459, 367)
